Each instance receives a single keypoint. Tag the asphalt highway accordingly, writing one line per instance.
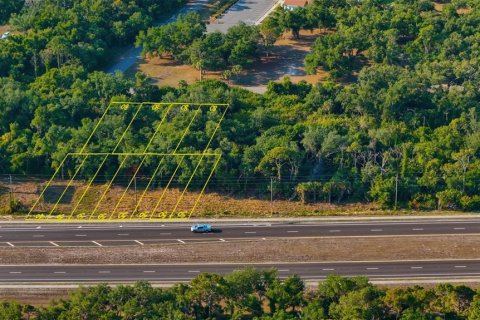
(122, 234)
(429, 269)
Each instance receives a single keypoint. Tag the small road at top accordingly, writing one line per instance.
(249, 11)
(132, 54)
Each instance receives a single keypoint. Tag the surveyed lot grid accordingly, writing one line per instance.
(140, 161)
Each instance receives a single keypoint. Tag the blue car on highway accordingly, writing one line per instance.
(201, 228)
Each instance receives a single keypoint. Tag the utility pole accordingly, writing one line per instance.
(10, 187)
(396, 191)
(271, 194)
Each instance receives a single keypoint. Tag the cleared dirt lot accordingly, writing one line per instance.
(286, 59)
(313, 249)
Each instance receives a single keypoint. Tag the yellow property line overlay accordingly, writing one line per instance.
(125, 105)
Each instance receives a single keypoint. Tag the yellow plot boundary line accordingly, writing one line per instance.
(120, 166)
(161, 161)
(198, 164)
(205, 185)
(103, 162)
(144, 155)
(63, 161)
(143, 160)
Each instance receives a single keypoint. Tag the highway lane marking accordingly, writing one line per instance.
(148, 271)
(16, 272)
(376, 230)
(80, 235)
(223, 240)
(417, 229)
(416, 267)
(328, 269)
(194, 271)
(165, 233)
(250, 232)
(373, 268)
(11, 245)
(39, 227)
(122, 234)
(106, 271)
(284, 270)
(459, 228)
(460, 266)
(140, 243)
(56, 245)
(98, 244)
(334, 230)
(181, 241)
(38, 236)
(59, 272)
(292, 231)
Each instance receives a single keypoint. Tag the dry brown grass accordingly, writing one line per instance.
(210, 204)
(4, 28)
(294, 250)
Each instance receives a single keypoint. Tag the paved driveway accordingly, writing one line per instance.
(248, 11)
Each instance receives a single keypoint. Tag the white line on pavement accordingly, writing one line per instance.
(148, 271)
(250, 232)
(334, 230)
(194, 271)
(98, 244)
(284, 270)
(60, 272)
(223, 240)
(181, 241)
(416, 267)
(460, 266)
(53, 243)
(328, 269)
(103, 271)
(459, 228)
(38, 236)
(80, 235)
(417, 229)
(140, 243)
(15, 272)
(292, 231)
(122, 234)
(11, 245)
(376, 230)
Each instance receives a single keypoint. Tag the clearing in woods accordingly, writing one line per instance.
(286, 59)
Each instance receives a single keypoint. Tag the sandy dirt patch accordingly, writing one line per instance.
(286, 59)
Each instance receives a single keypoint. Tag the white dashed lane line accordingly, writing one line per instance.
(417, 229)
(165, 233)
(122, 234)
(459, 228)
(283, 270)
(250, 232)
(59, 272)
(292, 231)
(416, 267)
(38, 236)
(334, 230)
(373, 268)
(106, 271)
(148, 271)
(15, 272)
(194, 271)
(376, 230)
(460, 266)
(328, 269)
(80, 235)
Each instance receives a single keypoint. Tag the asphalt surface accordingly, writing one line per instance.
(247, 11)
(139, 234)
(132, 54)
(441, 269)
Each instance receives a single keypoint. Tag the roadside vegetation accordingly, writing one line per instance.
(260, 295)
(404, 132)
